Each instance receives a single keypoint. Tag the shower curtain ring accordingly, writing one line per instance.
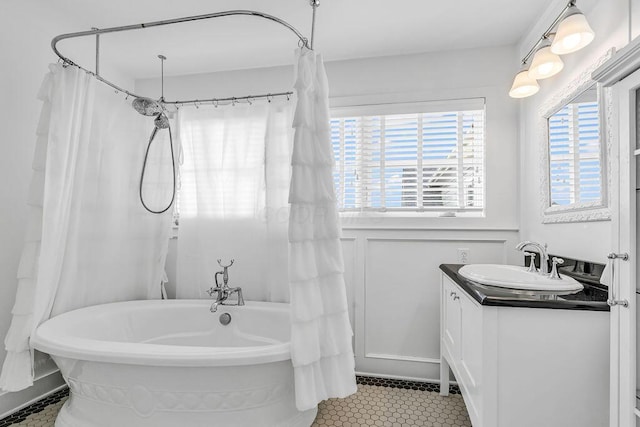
(215, 103)
(269, 98)
(233, 102)
(249, 101)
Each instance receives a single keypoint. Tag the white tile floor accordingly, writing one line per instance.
(372, 405)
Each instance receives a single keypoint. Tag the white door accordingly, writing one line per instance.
(623, 290)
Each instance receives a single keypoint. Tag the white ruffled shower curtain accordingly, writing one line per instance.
(233, 198)
(89, 241)
(239, 163)
(321, 335)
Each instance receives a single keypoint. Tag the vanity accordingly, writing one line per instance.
(525, 358)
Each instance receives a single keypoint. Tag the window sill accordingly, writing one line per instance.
(419, 221)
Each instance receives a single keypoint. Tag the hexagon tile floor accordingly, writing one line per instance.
(378, 402)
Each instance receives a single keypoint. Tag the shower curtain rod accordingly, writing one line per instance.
(97, 32)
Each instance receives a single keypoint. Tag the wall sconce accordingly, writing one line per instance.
(523, 85)
(572, 34)
(545, 63)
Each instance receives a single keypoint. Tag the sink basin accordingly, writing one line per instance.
(514, 277)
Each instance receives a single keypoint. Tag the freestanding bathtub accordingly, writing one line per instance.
(173, 363)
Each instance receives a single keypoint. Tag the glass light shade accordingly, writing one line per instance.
(545, 64)
(573, 34)
(523, 85)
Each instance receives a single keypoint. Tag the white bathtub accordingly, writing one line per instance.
(172, 363)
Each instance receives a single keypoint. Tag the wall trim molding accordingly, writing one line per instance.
(430, 228)
(401, 357)
(623, 63)
(42, 387)
(367, 241)
(437, 239)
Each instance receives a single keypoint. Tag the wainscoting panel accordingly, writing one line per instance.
(397, 295)
(349, 254)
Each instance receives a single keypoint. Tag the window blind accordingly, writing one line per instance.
(427, 160)
(574, 154)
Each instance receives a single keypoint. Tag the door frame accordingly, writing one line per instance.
(623, 227)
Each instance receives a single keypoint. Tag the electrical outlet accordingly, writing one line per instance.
(463, 255)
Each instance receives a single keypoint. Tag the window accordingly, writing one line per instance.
(410, 157)
(574, 153)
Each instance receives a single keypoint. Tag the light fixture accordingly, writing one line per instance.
(523, 85)
(545, 63)
(573, 33)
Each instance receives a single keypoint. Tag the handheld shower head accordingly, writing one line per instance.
(147, 106)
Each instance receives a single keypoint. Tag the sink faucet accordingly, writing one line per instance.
(223, 290)
(542, 250)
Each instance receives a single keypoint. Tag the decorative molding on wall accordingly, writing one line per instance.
(375, 353)
(622, 64)
(430, 227)
(443, 239)
(437, 239)
(577, 212)
(402, 357)
(42, 387)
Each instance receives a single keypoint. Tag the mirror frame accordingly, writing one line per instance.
(589, 211)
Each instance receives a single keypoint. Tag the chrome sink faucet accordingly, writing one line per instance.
(223, 290)
(542, 250)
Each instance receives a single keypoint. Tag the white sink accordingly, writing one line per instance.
(514, 277)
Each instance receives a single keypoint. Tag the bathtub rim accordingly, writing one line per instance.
(49, 339)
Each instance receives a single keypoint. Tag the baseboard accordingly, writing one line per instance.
(404, 378)
(48, 383)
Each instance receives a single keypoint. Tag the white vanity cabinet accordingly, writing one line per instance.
(522, 366)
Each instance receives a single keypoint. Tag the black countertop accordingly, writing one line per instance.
(593, 297)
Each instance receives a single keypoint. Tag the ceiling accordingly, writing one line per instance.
(344, 29)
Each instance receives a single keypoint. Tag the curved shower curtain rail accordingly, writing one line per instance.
(97, 32)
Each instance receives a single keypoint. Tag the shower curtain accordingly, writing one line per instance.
(233, 198)
(250, 189)
(89, 241)
(321, 349)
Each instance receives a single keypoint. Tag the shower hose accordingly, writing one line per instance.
(144, 166)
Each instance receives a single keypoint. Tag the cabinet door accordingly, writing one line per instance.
(451, 329)
(470, 355)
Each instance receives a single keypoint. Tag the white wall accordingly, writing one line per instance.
(589, 240)
(392, 265)
(431, 76)
(26, 30)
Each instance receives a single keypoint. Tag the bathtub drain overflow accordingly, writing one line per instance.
(225, 318)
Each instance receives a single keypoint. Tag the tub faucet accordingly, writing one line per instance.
(223, 291)
(542, 250)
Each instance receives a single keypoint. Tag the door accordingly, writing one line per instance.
(623, 293)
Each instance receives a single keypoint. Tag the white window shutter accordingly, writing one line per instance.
(411, 161)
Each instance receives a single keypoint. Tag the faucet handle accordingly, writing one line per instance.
(554, 269)
(532, 262)
(211, 291)
(225, 266)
